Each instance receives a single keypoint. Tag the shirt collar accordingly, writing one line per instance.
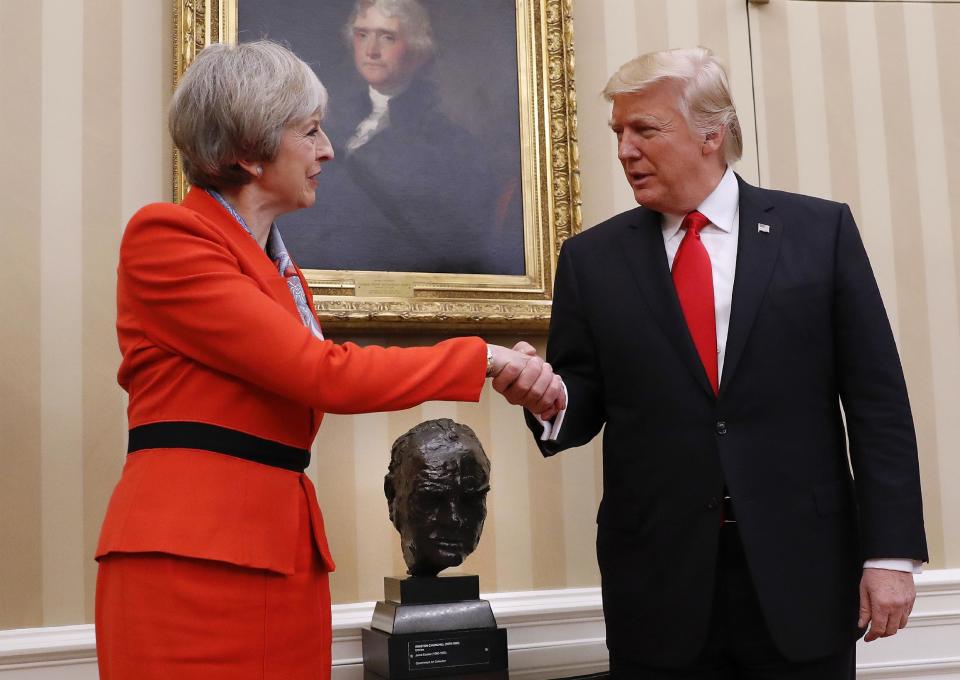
(274, 241)
(720, 207)
(379, 100)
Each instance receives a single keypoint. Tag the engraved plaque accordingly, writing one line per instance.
(451, 652)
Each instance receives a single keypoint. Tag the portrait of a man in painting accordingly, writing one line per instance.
(424, 120)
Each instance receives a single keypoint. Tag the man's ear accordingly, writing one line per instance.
(713, 142)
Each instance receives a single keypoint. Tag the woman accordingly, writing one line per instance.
(213, 557)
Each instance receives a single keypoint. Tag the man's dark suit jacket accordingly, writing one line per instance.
(807, 331)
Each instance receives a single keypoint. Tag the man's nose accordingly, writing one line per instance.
(627, 149)
(450, 514)
(373, 47)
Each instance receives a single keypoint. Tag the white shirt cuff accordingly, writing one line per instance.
(551, 429)
(895, 564)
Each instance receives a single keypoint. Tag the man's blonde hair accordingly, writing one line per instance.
(705, 99)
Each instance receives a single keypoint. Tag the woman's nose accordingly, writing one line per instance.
(324, 147)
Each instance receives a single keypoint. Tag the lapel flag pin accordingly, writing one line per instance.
(763, 228)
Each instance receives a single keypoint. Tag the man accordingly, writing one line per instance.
(436, 489)
(411, 190)
(715, 331)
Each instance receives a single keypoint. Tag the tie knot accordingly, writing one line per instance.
(696, 221)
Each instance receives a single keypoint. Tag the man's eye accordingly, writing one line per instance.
(360, 34)
(389, 38)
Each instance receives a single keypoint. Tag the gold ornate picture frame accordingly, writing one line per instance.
(356, 299)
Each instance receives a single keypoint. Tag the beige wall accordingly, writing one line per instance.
(843, 110)
(860, 102)
(84, 85)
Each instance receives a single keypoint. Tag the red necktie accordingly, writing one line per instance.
(693, 278)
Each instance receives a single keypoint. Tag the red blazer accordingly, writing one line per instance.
(210, 333)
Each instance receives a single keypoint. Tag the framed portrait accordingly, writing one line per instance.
(455, 178)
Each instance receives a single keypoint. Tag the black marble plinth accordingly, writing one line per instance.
(391, 617)
(495, 675)
(437, 654)
(431, 589)
(434, 627)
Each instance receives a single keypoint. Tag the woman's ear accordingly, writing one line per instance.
(255, 168)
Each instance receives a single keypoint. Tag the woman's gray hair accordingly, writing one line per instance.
(414, 21)
(232, 104)
(705, 99)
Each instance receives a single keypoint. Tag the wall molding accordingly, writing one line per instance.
(551, 633)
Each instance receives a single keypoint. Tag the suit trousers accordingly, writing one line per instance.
(739, 646)
(162, 616)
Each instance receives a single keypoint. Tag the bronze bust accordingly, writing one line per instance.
(436, 489)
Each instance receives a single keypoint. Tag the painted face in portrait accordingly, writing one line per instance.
(381, 52)
(436, 490)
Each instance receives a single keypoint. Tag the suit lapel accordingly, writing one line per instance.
(757, 252)
(309, 294)
(255, 260)
(646, 258)
(316, 415)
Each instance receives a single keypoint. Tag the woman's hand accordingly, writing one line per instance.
(524, 379)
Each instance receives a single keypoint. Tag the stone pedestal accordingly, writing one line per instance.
(435, 627)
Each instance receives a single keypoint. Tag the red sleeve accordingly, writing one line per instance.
(183, 284)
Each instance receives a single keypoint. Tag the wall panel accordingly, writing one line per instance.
(21, 586)
(857, 103)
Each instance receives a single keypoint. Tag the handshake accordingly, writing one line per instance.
(524, 379)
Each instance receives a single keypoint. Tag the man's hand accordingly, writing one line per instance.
(525, 348)
(555, 408)
(526, 380)
(886, 600)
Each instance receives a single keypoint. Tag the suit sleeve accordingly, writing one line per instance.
(572, 352)
(185, 288)
(883, 444)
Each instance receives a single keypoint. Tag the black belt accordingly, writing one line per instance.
(186, 435)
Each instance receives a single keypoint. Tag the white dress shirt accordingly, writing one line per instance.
(378, 119)
(720, 238)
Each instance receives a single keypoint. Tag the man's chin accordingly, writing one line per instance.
(373, 76)
(450, 557)
(647, 199)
